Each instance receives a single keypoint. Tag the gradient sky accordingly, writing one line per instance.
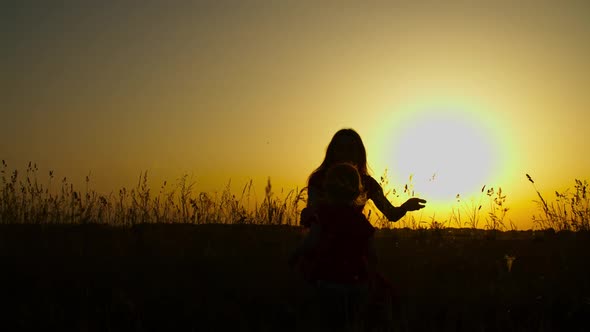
(484, 92)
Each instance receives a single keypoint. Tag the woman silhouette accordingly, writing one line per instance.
(347, 146)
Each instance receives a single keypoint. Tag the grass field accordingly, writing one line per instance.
(188, 261)
(26, 199)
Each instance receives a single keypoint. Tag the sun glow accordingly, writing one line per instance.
(446, 153)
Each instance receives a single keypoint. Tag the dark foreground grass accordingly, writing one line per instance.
(177, 277)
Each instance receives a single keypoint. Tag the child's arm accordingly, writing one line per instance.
(372, 265)
(307, 245)
(372, 256)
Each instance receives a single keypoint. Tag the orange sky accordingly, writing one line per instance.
(251, 89)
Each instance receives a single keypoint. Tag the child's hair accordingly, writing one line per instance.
(342, 184)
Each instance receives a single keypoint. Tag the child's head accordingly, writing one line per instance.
(342, 184)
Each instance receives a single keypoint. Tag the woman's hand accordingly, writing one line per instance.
(413, 204)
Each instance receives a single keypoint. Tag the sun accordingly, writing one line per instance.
(446, 153)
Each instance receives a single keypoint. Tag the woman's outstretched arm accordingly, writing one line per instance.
(390, 211)
(393, 213)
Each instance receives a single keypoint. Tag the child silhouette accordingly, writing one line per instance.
(339, 250)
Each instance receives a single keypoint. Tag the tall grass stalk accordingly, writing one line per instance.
(395, 195)
(569, 211)
(470, 210)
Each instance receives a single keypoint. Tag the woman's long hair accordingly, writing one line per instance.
(346, 146)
